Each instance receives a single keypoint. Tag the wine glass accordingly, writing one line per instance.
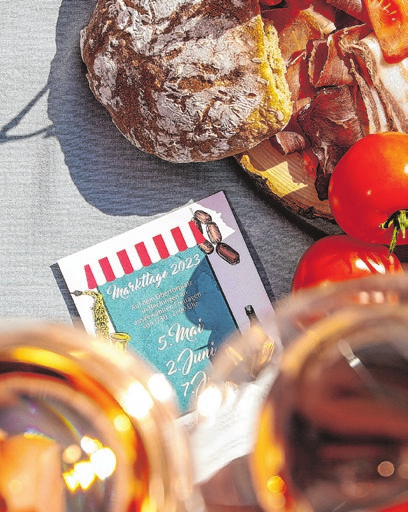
(227, 409)
(330, 428)
(333, 430)
(84, 427)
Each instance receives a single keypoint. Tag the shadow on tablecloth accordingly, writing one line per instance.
(109, 172)
(120, 180)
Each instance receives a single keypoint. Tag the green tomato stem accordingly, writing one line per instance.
(399, 219)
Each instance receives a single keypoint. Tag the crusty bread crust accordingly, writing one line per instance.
(187, 80)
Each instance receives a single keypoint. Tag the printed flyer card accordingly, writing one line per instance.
(172, 290)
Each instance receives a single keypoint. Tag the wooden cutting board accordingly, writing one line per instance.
(287, 180)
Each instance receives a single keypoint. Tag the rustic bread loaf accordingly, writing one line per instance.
(187, 80)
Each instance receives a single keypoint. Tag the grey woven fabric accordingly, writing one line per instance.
(69, 179)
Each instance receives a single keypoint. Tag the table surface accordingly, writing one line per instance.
(69, 179)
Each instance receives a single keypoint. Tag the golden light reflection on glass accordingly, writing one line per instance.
(136, 400)
(72, 454)
(160, 387)
(277, 488)
(372, 297)
(386, 468)
(90, 445)
(80, 476)
(209, 401)
(147, 506)
(122, 423)
(276, 484)
(15, 486)
(101, 464)
(234, 355)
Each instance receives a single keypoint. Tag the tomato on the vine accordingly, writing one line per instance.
(390, 24)
(368, 190)
(340, 258)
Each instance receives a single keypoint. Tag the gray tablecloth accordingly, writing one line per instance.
(69, 179)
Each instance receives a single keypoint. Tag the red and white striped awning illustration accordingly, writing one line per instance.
(142, 254)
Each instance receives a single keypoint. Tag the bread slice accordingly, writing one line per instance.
(187, 80)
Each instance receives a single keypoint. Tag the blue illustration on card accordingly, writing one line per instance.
(175, 315)
(170, 290)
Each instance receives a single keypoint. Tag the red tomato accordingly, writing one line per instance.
(390, 23)
(340, 258)
(368, 190)
(402, 507)
(270, 2)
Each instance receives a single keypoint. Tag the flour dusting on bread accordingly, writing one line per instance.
(187, 80)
